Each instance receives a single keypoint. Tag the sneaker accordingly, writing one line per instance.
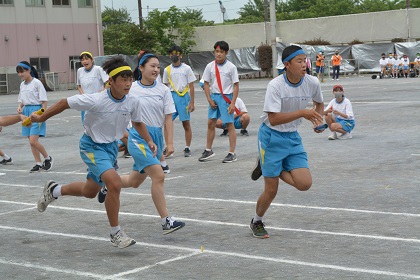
(345, 136)
(48, 163)
(258, 229)
(47, 196)
(6, 161)
(187, 152)
(127, 155)
(121, 240)
(166, 169)
(225, 132)
(230, 158)
(332, 136)
(206, 155)
(244, 132)
(36, 168)
(102, 194)
(171, 225)
(257, 172)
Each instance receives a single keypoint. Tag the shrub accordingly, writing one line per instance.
(265, 59)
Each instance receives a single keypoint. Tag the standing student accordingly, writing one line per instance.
(221, 85)
(32, 97)
(180, 78)
(156, 105)
(339, 115)
(336, 62)
(320, 65)
(107, 116)
(281, 152)
(90, 78)
(6, 121)
(241, 120)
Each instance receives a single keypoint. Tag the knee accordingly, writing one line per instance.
(32, 141)
(89, 194)
(245, 119)
(304, 186)
(271, 192)
(211, 124)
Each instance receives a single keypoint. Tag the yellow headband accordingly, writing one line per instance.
(118, 70)
(88, 53)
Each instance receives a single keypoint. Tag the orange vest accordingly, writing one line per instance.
(320, 60)
(336, 60)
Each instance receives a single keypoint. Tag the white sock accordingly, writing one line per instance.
(187, 147)
(163, 221)
(163, 163)
(39, 163)
(6, 157)
(114, 230)
(57, 191)
(231, 153)
(257, 218)
(208, 150)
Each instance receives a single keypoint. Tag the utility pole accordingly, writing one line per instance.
(140, 15)
(223, 10)
(273, 35)
(267, 38)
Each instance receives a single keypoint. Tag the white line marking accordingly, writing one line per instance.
(2, 174)
(153, 265)
(76, 173)
(52, 269)
(376, 237)
(231, 254)
(249, 202)
(417, 155)
(17, 211)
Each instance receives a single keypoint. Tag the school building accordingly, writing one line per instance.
(50, 34)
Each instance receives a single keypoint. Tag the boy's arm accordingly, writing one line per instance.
(315, 116)
(55, 109)
(191, 106)
(234, 97)
(169, 128)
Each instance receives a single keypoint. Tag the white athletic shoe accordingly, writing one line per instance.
(332, 136)
(47, 196)
(121, 240)
(345, 136)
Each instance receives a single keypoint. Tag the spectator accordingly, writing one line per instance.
(336, 62)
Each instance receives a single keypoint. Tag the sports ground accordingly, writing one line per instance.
(360, 219)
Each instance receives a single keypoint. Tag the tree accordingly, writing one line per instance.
(122, 36)
(174, 26)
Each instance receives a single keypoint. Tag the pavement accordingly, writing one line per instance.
(360, 219)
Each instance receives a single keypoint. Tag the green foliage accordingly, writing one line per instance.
(316, 42)
(122, 36)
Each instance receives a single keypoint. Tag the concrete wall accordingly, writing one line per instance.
(368, 28)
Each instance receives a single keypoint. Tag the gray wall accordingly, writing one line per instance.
(368, 28)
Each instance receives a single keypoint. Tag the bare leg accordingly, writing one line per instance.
(37, 148)
(232, 137)
(112, 201)
(271, 185)
(188, 132)
(211, 132)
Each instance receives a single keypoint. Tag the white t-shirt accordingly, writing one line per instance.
(344, 107)
(93, 80)
(284, 97)
(181, 76)
(417, 60)
(32, 93)
(383, 62)
(240, 105)
(397, 62)
(106, 118)
(405, 61)
(155, 102)
(228, 76)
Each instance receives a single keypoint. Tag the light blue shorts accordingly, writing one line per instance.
(140, 151)
(280, 151)
(98, 157)
(181, 106)
(35, 128)
(221, 111)
(236, 122)
(347, 125)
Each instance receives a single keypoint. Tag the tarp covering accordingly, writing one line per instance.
(361, 57)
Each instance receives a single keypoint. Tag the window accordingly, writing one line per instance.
(61, 2)
(85, 3)
(35, 3)
(6, 2)
(42, 63)
(74, 62)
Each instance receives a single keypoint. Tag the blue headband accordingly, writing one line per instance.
(144, 57)
(26, 67)
(290, 57)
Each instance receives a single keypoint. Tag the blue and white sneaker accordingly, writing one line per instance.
(171, 225)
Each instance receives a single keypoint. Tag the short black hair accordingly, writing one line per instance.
(175, 48)
(115, 62)
(289, 50)
(222, 45)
